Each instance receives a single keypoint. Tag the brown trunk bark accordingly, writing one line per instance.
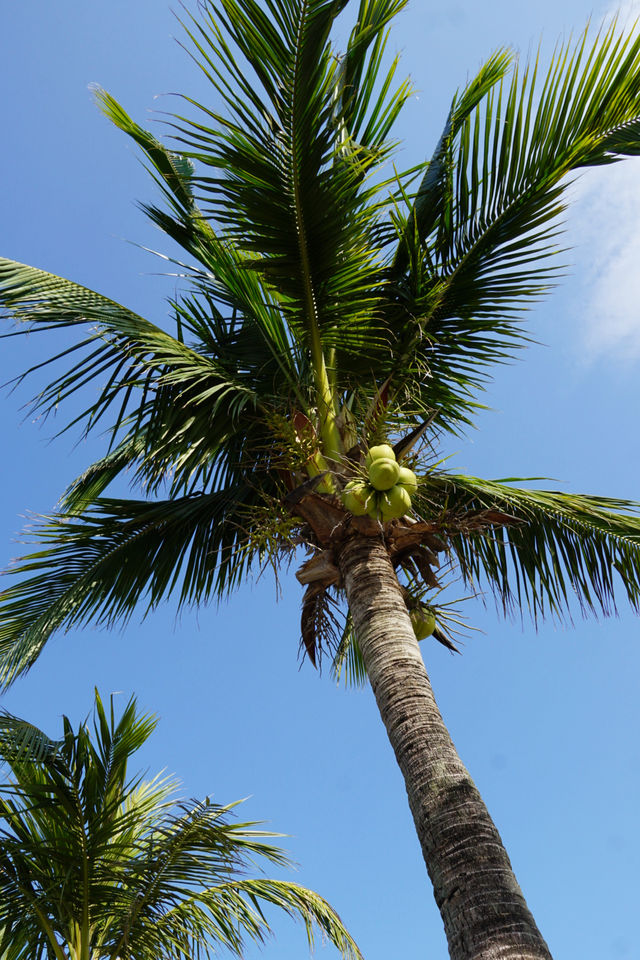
(484, 912)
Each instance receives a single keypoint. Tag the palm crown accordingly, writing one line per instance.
(95, 863)
(330, 302)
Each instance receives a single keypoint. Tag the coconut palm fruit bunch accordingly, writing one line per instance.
(386, 492)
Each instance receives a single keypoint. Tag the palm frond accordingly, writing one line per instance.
(348, 664)
(172, 399)
(159, 879)
(480, 241)
(545, 551)
(365, 108)
(227, 279)
(513, 158)
(20, 741)
(429, 206)
(116, 554)
(123, 346)
(91, 484)
(175, 171)
(243, 900)
(438, 368)
(286, 170)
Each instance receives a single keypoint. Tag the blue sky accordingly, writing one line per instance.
(547, 722)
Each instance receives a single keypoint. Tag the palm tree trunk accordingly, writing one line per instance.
(484, 912)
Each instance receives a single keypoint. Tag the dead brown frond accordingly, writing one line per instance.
(320, 624)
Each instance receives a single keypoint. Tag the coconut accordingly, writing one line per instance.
(381, 452)
(355, 497)
(383, 473)
(373, 505)
(408, 480)
(394, 503)
(423, 620)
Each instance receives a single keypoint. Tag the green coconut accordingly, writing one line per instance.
(383, 473)
(381, 452)
(423, 621)
(373, 508)
(408, 480)
(394, 503)
(355, 497)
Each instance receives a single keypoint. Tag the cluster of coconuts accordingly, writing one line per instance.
(386, 492)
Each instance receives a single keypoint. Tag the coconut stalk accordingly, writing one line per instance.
(331, 441)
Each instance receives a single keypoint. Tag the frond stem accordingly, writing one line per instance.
(330, 436)
(44, 923)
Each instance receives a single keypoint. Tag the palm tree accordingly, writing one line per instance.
(332, 306)
(96, 864)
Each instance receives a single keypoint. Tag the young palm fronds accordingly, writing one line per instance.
(97, 863)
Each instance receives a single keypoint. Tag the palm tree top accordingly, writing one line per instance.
(330, 302)
(97, 863)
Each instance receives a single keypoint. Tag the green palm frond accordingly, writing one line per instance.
(429, 206)
(348, 664)
(480, 241)
(20, 740)
(545, 551)
(242, 900)
(227, 280)
(438, 368)
(366, 107)
(123, 347)
(100, 564)
(286, 170)
(88, 487)
(512, 159)
(166, 394)
(95, 862)
(174, 171)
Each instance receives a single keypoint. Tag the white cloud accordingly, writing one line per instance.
(625, 12)
(604, 230)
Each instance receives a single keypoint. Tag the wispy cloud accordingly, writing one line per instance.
(625, 12)
(604, 229)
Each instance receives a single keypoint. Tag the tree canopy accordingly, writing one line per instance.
(98, 863)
